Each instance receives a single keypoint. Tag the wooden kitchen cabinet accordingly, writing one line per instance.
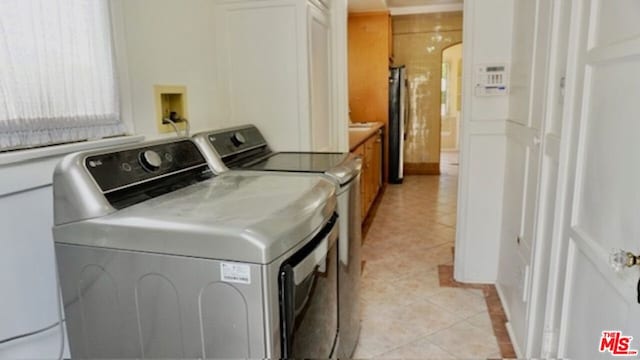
(371, 176)
(368, 153)
(376, 166)
(363, 206)
(370, 47)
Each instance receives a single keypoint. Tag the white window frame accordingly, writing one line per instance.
(118, 46)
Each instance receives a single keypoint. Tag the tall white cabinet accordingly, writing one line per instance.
(275, 69)
(540, 38)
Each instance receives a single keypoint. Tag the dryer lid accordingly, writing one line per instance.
(237, 217)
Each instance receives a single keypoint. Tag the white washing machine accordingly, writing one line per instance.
(159, 258)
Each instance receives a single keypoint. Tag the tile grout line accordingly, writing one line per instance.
(505, 345)
(422, 338)
(441, 221)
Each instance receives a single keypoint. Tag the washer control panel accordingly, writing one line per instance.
(232, 142)
(116, 170)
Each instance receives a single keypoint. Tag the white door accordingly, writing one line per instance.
(522, 177)
(558, 13)
(599, 199)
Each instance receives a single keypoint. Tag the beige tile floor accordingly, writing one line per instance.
(406, 314)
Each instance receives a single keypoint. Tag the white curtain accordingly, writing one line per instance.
(57, 77)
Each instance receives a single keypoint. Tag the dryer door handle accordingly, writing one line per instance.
(317, 258)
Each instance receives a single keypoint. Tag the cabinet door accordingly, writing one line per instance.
(376, 165)
(363, 181)
(320, 79)
(369, 152)
(262, 69)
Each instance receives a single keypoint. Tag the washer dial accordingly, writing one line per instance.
(238, 139)
(150, 160)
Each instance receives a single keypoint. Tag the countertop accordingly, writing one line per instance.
(358, 136)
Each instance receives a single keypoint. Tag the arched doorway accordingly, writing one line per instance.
(450, 107)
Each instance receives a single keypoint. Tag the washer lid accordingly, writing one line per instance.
(239, 217)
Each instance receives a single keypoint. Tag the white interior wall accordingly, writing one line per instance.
(487, 40)
(165, 42)
(157, 42)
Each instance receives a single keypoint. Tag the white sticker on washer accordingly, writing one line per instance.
(235, 273)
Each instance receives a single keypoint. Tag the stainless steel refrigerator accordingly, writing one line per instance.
(398, 109)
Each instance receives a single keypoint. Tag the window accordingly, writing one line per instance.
(444, 90)
(57, 77)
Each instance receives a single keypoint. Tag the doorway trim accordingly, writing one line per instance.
(483, 128)
(460, 90)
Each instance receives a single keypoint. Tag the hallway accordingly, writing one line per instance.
(411, 306)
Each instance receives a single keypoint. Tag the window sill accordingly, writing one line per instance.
(57, 150)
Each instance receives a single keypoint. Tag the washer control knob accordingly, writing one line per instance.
(238, 139)
(150, 160)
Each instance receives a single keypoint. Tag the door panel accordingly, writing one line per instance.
(612, 313)
(530, 197)
(606, 198)
(514, 253)
(261, 69)
(514, 185)
(320, 87)
(541, 259)
(522, 61)
(613, 21)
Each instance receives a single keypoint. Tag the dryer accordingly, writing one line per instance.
(243, 148)
(159, 258)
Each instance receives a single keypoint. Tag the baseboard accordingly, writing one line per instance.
(516, 348)
(507, 312)
(422, 168)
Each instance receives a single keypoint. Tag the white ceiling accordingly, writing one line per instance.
(374, 5)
